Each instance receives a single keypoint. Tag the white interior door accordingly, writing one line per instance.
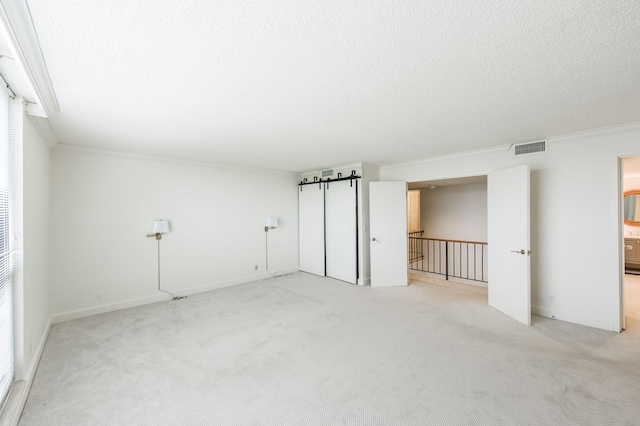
(389, 242)
(340, 230)
(508, 235)
(311, 228)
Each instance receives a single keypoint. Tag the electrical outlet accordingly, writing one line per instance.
(257, 267)
(99, 295)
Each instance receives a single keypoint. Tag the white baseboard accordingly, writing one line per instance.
(130, 303)
(469, 282)
(20, 390)
(452, 279)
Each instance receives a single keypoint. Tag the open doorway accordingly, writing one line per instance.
(507, 237)
(630, 294)
(448, 238)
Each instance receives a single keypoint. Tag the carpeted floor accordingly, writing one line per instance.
(305, 350)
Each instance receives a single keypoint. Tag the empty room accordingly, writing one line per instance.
(319, 213)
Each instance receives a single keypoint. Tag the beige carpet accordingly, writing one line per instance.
(305, 350)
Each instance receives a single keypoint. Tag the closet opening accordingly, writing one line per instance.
(329, 225)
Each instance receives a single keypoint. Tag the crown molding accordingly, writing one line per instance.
(447, 157)
(15, 17)
(63, 147)
(635, 125)
(43, 127)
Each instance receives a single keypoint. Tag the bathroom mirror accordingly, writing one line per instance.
(632, 207)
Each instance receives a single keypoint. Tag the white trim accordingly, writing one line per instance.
(448, 157)
(549, 140)
(16, 18)
(43, 127)
(619, 302)
(595, 132)
(101, 309)
(459, 176)
(33, 109)
(618, 293)
(103, 152)
(160, 297)
(20, 390)
(456, 280)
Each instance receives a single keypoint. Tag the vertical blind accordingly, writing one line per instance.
(6, 263)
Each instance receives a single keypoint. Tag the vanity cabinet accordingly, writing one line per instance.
(632, 254)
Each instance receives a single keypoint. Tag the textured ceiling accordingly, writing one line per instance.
(304, 85)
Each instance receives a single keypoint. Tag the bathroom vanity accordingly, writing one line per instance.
(632, 219)
(632, 255)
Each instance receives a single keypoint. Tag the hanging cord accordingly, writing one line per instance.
(277, 273)
(168, 292)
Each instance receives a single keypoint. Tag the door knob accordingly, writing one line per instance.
(518, 251)
(374, 239)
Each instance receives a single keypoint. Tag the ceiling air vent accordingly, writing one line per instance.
(531, 147)
(326, 173)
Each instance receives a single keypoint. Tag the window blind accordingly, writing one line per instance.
(6, 264)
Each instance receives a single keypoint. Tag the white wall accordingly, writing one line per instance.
(575, 217)
(35, 292)
(104, 203)
(455, 212)
(369, 174)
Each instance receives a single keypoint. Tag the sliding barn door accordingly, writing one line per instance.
(311, 223)
(341, 230)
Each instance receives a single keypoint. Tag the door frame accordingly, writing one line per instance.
(484, 173)
(621, 304)
(620, 196)
(468, 175)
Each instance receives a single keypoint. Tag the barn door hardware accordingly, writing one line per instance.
(351, 177)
